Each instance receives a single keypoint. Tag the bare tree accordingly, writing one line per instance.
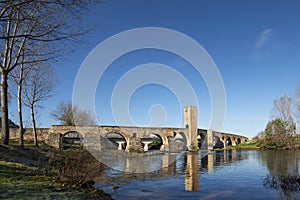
(33, 20)
(282, 108)
(18, 77)
(63, 113)
(67, 114)
(38, 87)
(296, 103)
(83, 117)
(36, 56)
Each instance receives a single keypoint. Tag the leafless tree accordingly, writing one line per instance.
(63, 113)
(18, 75)
(38, 87)
(296, 103)
(83, 117)
(36, 56)
(283, 109)
(67, 114)
(55, 23)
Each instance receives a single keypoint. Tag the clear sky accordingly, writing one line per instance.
(254, 44)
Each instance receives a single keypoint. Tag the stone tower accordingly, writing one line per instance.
(191, 123)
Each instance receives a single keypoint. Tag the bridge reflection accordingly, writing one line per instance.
(209, 160)
(191, 165)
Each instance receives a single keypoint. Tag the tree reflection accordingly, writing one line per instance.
(283, 174)
(281, 162)
(286, 185)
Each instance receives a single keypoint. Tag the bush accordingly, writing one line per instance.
(77, 167)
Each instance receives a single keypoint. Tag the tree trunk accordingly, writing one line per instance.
(4, 108)
(33, 126)
(21, 142)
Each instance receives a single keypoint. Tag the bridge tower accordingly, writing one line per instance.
(191, 123)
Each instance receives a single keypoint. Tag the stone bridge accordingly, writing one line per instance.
(164, 134)
(215, 139)
(190, 136)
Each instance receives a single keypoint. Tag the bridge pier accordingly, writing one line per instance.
(223, 140)
(210, 139)
(134, 144)
(233, 142)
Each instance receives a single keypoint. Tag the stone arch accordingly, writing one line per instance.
(219, 142)
(177, 143)
(238, 140)
(184, 138)
(117, 139)
(228, 141)
(71, 139)
(157, 143)
(201, 136)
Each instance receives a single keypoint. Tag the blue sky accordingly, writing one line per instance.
(255, 45)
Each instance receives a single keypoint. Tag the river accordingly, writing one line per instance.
(228, 174)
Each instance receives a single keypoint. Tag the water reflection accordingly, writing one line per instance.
(137, 163)
(191, 165)
(209, 175)
(191, 172)
(286, 186)
(281, 162)
(283, 174)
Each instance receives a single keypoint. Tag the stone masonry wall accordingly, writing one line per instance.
(28, 134)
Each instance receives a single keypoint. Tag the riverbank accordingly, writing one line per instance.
(256, 144)
(46, 173)
(250, 145)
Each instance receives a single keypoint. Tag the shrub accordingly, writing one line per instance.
(77, 167)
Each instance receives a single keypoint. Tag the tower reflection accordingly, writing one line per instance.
(191, 173)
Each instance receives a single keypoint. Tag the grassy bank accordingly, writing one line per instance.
(46, 173)
(244, 146)
(252, 144)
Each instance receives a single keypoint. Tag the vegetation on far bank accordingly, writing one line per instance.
(252, 144)
(47, 173)
(278, 135)
(282, 131)
(288, 143)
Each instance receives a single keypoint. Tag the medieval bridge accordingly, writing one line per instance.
(192, 137)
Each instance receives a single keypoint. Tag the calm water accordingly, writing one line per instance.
(220, 175)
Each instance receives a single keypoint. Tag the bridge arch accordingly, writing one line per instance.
(162, 137)
(157, 141)
(72, 139)
(218, 142)
(117, 139)
(184, 138)
(177, 141)
(228, 141)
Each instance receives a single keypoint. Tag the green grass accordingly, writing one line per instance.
(27, 143)
(20, 182)
(24, 175)
(245, 145)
